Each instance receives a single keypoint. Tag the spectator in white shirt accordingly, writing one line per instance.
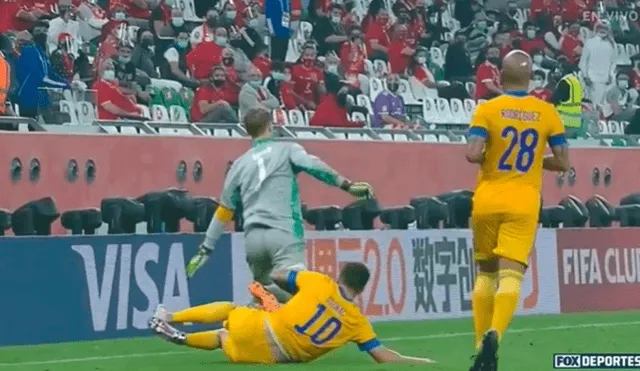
(65, 23)
(598, 62)
(253, 94)
(205, 32)
(174, 67)
(619, 100)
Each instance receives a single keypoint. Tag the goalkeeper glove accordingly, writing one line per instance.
(361, 190)
(198, 260)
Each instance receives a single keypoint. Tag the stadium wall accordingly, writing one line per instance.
(133, 165)
(61, 289)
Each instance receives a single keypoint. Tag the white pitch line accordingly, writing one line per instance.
(393, 339)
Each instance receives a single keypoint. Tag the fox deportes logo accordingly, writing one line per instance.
(611, 15)
(597, 361)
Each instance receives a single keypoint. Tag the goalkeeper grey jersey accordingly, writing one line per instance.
(264, 181)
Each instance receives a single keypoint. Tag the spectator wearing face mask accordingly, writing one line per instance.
(207, 54)
(329, 31)
(112, 103)
(125, 70)
(64, 23)
(619, 100)
(176, 61)
(165, 21)
(531, 40)
(34, 71)
(377, 36)
(117, 21)
(62, 59)
(488, 75)
(279, 85)
(539, 90)
(307, 80)
(457, 66)
(353, 54)
(228, 14)
(205, 32)
(503, 41)
(254, 95)
(401, 50)
(570, 43)
(388, 107)
(333, 107)
(249, 40)
(143, 54)
(597, 62)
(478, 36)
(210, 103)
(233, 80)
(419, 70)
(108, 49)
(262, 61)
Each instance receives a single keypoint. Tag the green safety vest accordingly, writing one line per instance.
(571, 110)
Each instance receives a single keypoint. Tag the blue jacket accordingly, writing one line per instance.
(278, 14)
(33, 72)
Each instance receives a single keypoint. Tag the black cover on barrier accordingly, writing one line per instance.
(398, 217)
(459, 206)
(5, 221)
(601, 212)
(324, 218)
(201, 212)
(552, 216)
(165, 209)
(430, 212)
(121, 214)
(35, 217)
(575, 213)
(82, 221)
(360, 215)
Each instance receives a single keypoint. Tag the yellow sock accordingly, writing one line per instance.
(484, 291)
(207, 313)
(207, 340)
(506, 301)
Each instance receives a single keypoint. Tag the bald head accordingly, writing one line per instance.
(516, 70)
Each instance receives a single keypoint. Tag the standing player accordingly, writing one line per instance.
(508, 138)
(319, 318)
(264, 181)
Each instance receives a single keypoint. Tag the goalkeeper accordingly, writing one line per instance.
(264, 182)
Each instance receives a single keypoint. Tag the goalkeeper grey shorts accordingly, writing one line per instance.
(271, 250)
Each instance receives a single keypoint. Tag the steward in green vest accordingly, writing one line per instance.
(567, 97)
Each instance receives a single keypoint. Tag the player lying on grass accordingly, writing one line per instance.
(508, 136)
(264, 182)
(319, 318)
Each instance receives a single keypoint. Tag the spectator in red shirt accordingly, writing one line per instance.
(233, 81)
(19, 15)
(503, 41)
(263, 62)
(204, 32)
(488, 75)
(419, 70)
(333, 109)
(117, 21)
(532, 40)
(573, 10)
(635, 75)
(544, 8)
(375, 6)
(401, 50)
(377, 36)
(307, 79)
(539, 91)
(138, 9)
(112, 103)
(280, 85)
(210, 103)
(207, 54)
(353, 53)
(61, 58)
(570, 43)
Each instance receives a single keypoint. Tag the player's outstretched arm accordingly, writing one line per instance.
(216, 228)
(386, 355)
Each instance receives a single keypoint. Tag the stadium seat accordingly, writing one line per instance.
(201, 212)
(86, 113)
(380, 68)
(170, 84)
(368, 67)
(360, 117)
(375, 88)
(615, 127)
(5, 221)
(458, 112)
(177, 114)
(165, 209)
(603, 127)
(82, 221)
(386, 136)
(575, 212)
(459, 208)
(360, 215)
(145, 110)
(325, 218)
(469, 107)
(471, 88)
(296, 118)
(280, 117)
(430, 110)
(159, 113)
(307, 116)
(601, 212)
(35, 217)
(405, 92)
(620, 49)
(363, 101)
(436, 56)
(188, 10)
(444, 112)
(399, 217)
(631, 49)
(552, 216)
(430, 138)
(68, 108)
(121, 214)
(443, 138)
(430, 212)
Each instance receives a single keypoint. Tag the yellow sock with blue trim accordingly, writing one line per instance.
(207, 313)
(506, 300)
(484, 291)
(207, 340)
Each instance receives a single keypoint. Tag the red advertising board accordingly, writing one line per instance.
(133, 165)
(599, 269)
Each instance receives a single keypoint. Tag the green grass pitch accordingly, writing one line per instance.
(529, 346)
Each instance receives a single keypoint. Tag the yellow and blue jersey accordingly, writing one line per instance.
(517, 128)
(319, 318)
